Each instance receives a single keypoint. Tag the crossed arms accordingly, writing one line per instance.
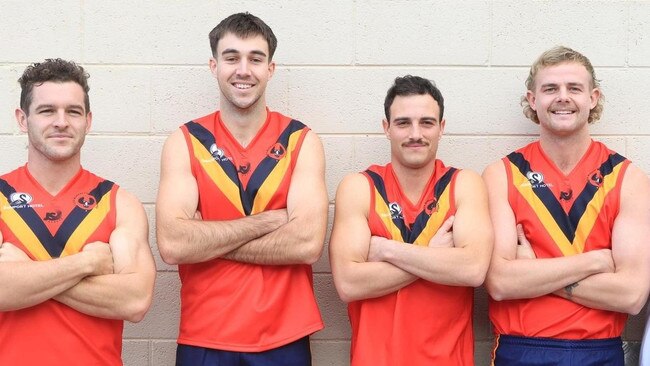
(602, 279)
(286, 236)
(109, 280)
(366, 266)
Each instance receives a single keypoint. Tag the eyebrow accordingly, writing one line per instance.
(52, 106)
(232, 50)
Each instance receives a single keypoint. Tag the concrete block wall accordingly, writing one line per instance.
(336, 59)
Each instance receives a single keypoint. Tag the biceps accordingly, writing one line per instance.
(178, 196)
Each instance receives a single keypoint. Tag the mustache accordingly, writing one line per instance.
(416, 142)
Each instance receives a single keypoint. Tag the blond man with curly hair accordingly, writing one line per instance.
(570, 219)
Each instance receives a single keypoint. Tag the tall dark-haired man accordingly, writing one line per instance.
(74, 260)
(571, 228)
(410, 241)
(242, 210)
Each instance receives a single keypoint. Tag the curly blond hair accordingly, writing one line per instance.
(555, 56)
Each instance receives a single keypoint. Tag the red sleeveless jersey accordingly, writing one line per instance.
(47, 227)
(423, 323)
(562, 216)
(231, 305)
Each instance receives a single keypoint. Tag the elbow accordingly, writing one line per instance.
(496, 290)
(347, 293)
(167, 252)
(475, 276)
(138, 309)
(635, 304)
(313, 252)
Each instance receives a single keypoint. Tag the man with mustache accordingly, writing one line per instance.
(570, 218)
(410, 241)
(242, 209)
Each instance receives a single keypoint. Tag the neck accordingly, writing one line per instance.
(53, 175)
(565, 151)
(243, 124)
(413, 180)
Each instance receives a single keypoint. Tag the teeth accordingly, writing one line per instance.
(562, 112)
(243, 86)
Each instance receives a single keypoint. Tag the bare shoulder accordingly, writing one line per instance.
(468, 178)
(494, 171)
(175, 142)
(312, 149)
(129, 208)
(353, 192)
(636, 185)
(352, 183)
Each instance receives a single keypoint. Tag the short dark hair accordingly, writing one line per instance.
(56, 70)
(412, 85)
(243, 25)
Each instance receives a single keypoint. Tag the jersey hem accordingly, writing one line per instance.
(249, 348)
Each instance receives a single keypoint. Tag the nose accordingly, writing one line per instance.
(563, 94)
(415, 132)
(61, 119)
(243, 68)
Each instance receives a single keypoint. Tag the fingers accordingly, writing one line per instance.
(521, 236)
(447, 225)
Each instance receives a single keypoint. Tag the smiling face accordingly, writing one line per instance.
(242, 69)
(57, 121)
(562, 97)
(414, 130)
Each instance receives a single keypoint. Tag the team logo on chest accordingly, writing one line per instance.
(536, 180)
(277, 151)
(52, 215)
(596, 178)
(20, 199)
(217, 153)
(431, 206)
(85, 201)
(395, 211)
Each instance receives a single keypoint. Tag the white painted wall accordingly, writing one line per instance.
(336, 59)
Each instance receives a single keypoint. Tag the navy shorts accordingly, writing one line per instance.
(524, 351)
(296, 353)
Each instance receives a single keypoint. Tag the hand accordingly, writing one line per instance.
(524, 249)
(11, 253)
(100, 256)
(444, 237)
(375, 249)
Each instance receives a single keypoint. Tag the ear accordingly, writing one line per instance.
(21, 118)
(89, 121)
(595, 96)
(442, 127)
(271, 69)
(530, 97)
(386, 125)
(213, 66)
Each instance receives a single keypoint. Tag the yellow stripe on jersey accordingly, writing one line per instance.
(88, 226)
(22, 231)
(229, 188)
(436, 219)
(548, 221)
(383, 211)
(593, 209)
(274, 179)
